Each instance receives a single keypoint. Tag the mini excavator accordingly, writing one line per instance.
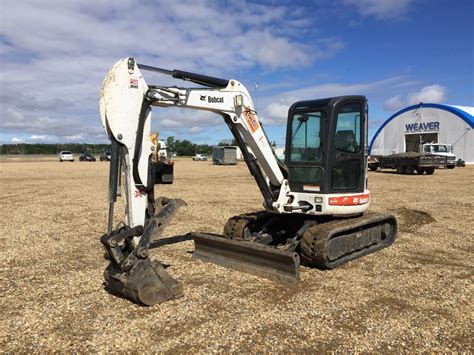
(315, 201)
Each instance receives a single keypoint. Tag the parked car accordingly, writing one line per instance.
(86, 157)
(200, 157)
(66, 155)
(105, 156)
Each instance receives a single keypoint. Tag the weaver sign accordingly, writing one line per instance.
(423, 126)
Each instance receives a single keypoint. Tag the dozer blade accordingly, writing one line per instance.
(147, 282)
(252, 258)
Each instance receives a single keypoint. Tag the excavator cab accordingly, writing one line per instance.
(325, 143)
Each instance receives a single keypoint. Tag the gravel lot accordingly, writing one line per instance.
(413, 296)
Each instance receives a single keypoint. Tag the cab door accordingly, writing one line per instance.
(347, 151)
(304, 148)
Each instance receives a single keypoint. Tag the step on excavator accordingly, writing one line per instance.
(315, 201)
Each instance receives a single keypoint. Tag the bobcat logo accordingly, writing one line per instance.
(203, 97)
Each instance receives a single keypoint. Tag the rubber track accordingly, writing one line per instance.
(314, 244)
(313, 248)
(235, 226)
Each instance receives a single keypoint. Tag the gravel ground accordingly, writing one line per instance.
(413, 296)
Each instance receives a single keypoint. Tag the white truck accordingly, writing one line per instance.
(200, 157)
(163, 151)
(163, 166)
(445, 150)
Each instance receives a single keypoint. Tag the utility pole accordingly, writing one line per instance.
(256, 97)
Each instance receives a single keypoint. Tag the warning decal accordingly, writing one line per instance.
(252, 121)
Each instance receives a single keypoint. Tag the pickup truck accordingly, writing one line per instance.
(445, 150)
(200, 157)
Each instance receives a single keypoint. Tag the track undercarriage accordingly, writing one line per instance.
(265, 244)
(271, 245)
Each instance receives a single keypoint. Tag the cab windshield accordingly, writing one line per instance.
(440, 149)
(305, 137)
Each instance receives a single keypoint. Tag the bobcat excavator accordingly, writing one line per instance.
(315, 202)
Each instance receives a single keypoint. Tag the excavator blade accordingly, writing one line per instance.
(249, 257)
(147, 283)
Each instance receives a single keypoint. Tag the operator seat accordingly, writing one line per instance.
(345, 140)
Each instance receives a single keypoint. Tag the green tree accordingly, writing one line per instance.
(184, 148)
(76, 148)
(170, 144)
(203, 148)
(226, 142)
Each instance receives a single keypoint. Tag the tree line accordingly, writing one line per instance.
(39, 148)
(187, 148)
(179, 147)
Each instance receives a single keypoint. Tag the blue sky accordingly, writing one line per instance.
(54, 55)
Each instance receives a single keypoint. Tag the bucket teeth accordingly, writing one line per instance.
(146, 282)
(133, 275)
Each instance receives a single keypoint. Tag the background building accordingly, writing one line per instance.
(427, 123)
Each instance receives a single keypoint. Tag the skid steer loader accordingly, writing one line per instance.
(315, 202)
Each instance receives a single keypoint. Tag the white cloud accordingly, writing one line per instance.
(17, 140)
(196, 129)
(75, 137)
(381, 9)
(276, 112)
(55, 93)
(276, 108)
(432, 93)
(36, 137)
(394, 103)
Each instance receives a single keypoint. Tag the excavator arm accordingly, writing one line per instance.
(125, 107)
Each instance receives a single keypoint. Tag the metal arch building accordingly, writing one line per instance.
(426, 122)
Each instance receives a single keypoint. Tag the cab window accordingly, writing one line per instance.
(305, 137)
(348, 130)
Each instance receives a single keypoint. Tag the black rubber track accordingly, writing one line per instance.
(328, 242)
(235, 226)
(315, 242)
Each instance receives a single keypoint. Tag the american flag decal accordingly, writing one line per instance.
(134, 83)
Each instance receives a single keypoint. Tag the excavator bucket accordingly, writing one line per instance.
(257, 259)
(135, 276)
(147, 283)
